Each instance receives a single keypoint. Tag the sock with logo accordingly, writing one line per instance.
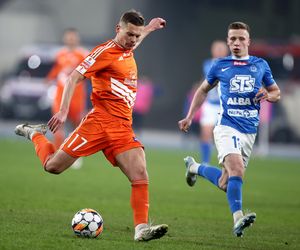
(234, 193)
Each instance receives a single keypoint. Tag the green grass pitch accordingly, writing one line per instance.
(36, 208)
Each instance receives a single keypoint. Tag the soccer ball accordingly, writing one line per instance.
(87, 223)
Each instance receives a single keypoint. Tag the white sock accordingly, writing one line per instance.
(194, 168)
(237, 215)
(31, 135)
(140, 226)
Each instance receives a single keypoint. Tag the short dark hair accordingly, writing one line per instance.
(134, 17)
(238, 26)
(70, 29)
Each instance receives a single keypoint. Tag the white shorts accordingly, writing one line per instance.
(209, 115)
(230, 141)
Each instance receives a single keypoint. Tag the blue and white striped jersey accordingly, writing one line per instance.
(239, 81)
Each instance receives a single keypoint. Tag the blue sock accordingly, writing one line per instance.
(205, 149)
(212, 174)
(234, 193)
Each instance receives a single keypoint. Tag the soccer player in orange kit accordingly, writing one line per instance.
(66, 60)
(108, 126)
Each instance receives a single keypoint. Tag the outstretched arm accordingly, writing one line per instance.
(60, 117)
(155, 24)
(197, 101)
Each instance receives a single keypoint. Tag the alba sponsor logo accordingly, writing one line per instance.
(238, 101)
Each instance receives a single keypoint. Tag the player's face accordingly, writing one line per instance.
(128, 35)
(219, 49)
(71, 39)
(238, 42)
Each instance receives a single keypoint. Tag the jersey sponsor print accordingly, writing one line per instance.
(239, 82)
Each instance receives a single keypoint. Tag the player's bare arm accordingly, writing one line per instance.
(155, 24)
(273, 93)
(270, 94)
(197, 101)
(59, 118)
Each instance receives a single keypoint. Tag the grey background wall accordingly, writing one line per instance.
(172, 57)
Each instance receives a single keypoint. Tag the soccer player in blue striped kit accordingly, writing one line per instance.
(243, 81)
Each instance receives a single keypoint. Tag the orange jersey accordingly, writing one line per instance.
(113, 73)
(66, 61)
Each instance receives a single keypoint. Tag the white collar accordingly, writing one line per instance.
(240, 58)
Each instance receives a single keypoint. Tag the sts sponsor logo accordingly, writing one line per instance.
(241, 84)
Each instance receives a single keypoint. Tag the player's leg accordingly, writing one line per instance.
(207, 123)
(228, 142)
(88, 138)
(211, 173)
(193, 169)
(223, 180)
(53, 161)
(133, 164)
(234, 150)
(59, 162)
(235, 166)
(206, 142)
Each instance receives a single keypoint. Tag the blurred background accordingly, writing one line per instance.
(171, 59)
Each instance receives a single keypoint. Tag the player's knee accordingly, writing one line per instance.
(238, 172)
(142, 173)
(53, 168)
(138, 173)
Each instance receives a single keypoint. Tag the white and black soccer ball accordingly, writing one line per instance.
(87, 223)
